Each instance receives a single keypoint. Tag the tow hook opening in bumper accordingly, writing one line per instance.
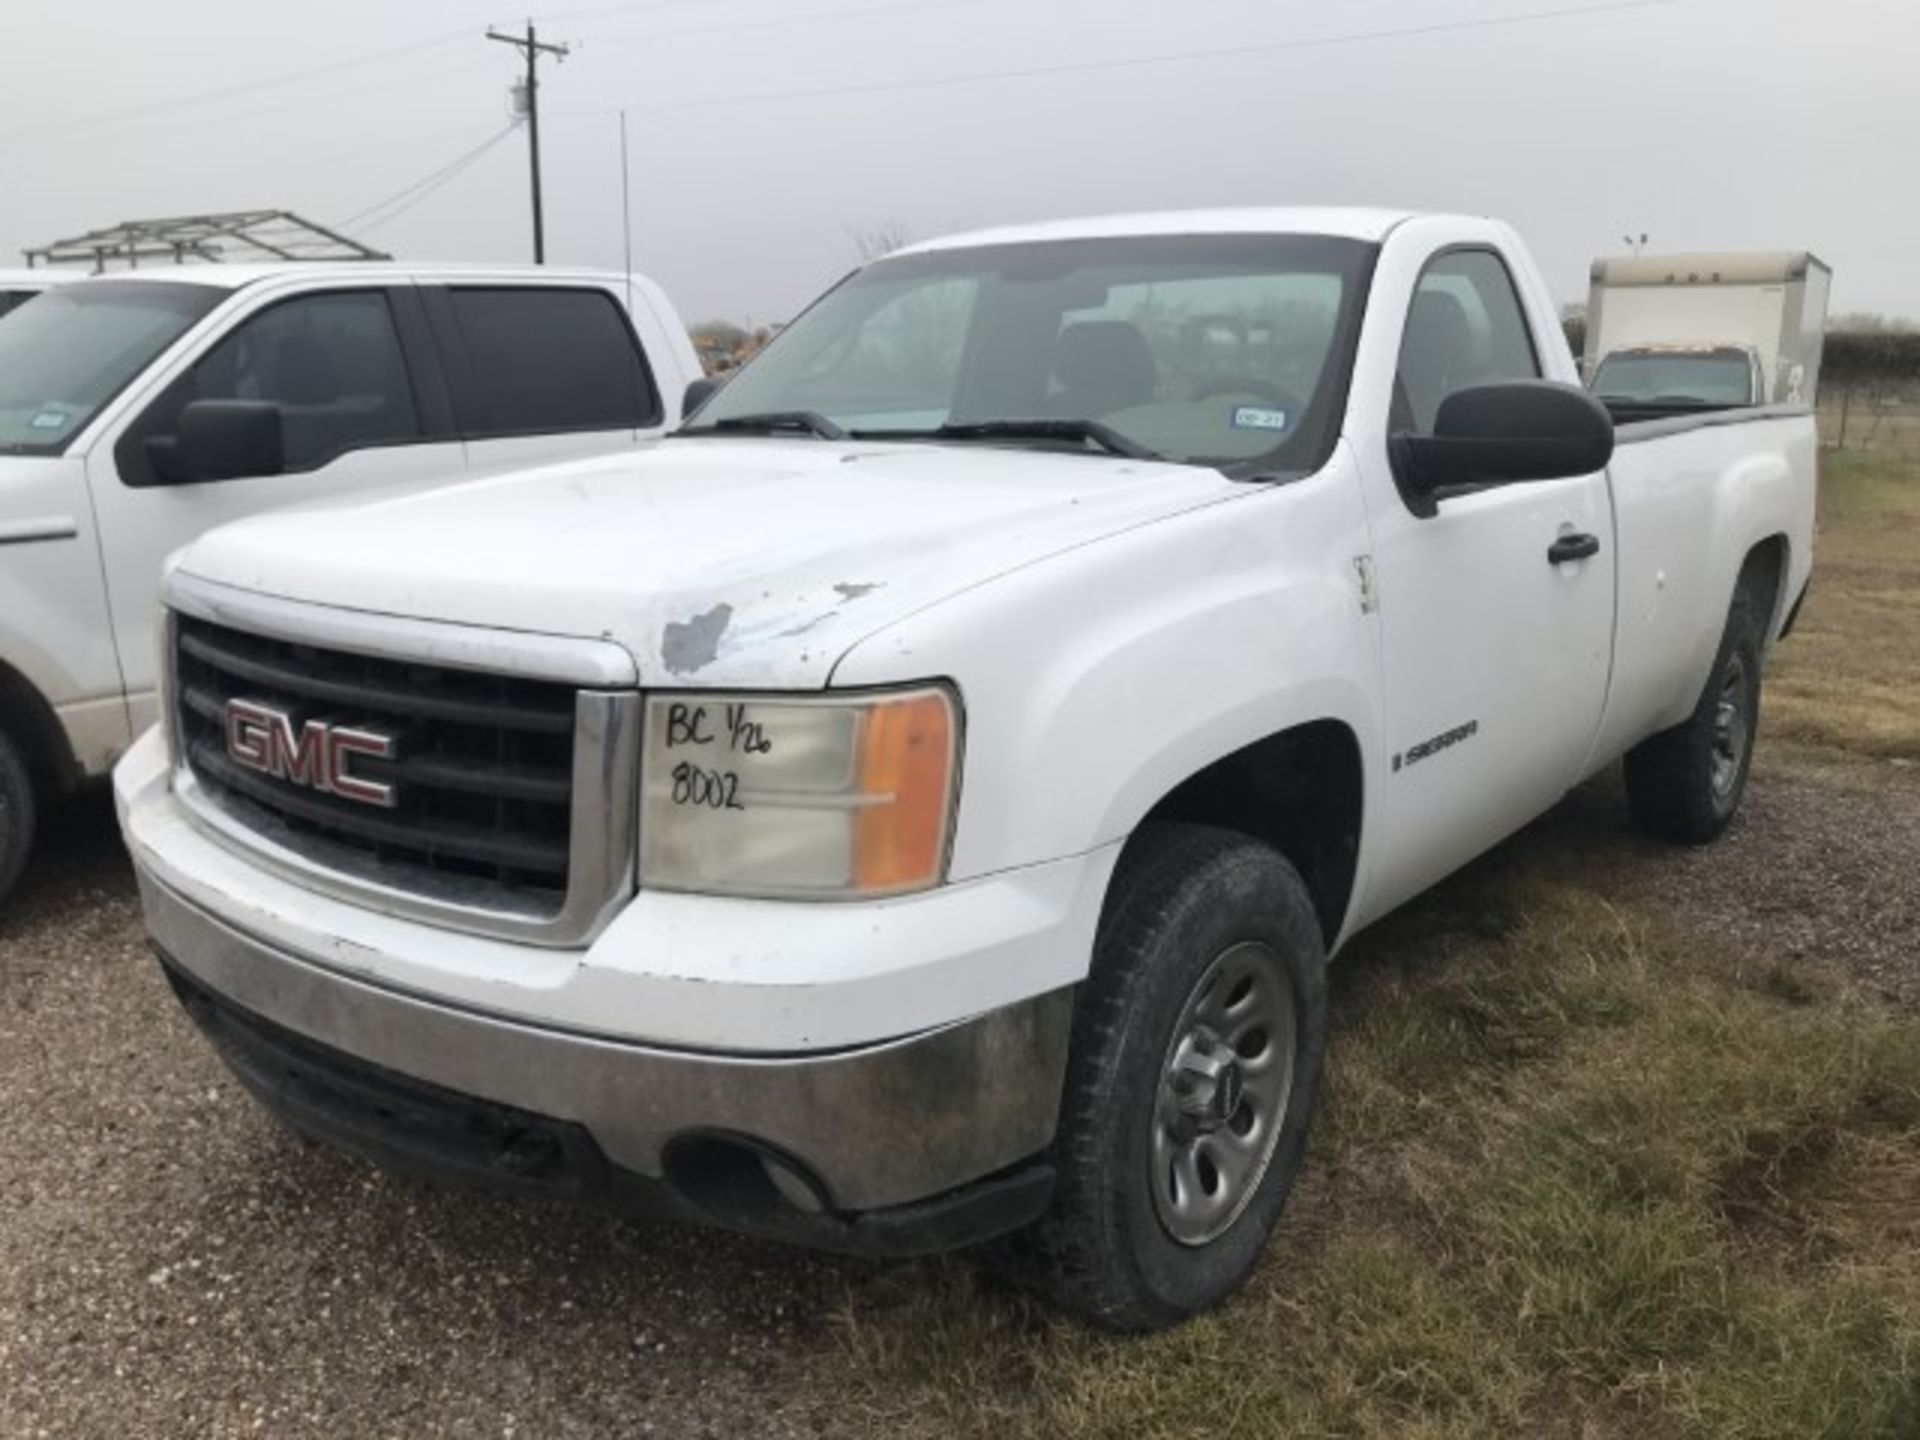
(727, 1180)
(722, 1172)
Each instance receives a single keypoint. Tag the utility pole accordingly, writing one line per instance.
(532, 47)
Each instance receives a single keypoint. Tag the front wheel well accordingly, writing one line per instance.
(28, 720)
(1300, 791)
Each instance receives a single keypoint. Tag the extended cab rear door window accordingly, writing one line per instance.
(546, 360)
(331, 362)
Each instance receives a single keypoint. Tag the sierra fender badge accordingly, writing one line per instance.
(1444, 741)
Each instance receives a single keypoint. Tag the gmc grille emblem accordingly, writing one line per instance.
(314, 754)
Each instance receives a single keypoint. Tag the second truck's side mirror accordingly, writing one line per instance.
(1503, 434)
(221, 440)
(698, 393)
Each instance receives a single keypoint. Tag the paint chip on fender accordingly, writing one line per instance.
(690, 645)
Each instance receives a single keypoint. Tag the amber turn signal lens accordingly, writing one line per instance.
(906, 767)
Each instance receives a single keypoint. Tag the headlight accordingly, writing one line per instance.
(839, 797)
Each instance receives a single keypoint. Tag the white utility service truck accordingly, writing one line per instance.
(918, 801)
(1667, 334)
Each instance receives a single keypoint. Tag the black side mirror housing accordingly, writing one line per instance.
(698, 393)
(1504, 434)
(221, 440)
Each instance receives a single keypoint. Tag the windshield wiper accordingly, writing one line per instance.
(772, 423)
(1086, 432)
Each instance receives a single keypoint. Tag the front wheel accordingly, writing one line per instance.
(16, 814)
(1685, 783)
(1196, 1059)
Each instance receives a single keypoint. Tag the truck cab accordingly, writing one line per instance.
(1656, 380)
(137, 411)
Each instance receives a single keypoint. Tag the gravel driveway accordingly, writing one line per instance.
(1822, 867)
(172, 1263)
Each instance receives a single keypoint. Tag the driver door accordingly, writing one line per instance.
(1494, 659)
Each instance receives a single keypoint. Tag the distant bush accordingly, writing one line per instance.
(1873, 362)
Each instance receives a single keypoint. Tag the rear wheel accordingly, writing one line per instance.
(1197, 1050)
(17, 814)
(1685, 784)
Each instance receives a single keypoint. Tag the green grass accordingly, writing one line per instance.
(1851, 679)
(1576, 1173)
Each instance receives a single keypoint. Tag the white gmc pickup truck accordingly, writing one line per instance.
(917, 802)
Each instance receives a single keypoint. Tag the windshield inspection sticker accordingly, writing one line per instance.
(49, 420)
(1256, 417)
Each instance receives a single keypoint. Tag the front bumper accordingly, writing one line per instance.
(414, 1128)
(862, 1058)
(797, 1146)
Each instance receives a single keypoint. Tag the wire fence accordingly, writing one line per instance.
(1870, 390)
(1871, 416)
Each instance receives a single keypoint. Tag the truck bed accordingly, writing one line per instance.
(1630, 418)
(1692, 496)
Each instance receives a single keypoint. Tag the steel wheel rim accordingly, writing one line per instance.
(1730, 726)
(1221, 1102)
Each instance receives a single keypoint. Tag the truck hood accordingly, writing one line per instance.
(735, 562)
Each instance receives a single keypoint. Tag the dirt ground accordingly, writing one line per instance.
(173, 1263)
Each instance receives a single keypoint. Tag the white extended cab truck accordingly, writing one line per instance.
(917, 802)
(140, 409)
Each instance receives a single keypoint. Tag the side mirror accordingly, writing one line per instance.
(698, 393)
(1505, 434)
(221, 440)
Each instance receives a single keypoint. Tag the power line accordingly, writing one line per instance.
(334, 67)
(598, 11)
(427, 193)
(468, 65)
(421, 189)
(667, 32)
(228, 92)
(405, 199)
(392, 151)
(1358, 37)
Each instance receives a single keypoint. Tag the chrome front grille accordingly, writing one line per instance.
(505, 801)
(482, 778)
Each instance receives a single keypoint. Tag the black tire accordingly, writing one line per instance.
(17, 814)
(1187, 900)
(1685, 784)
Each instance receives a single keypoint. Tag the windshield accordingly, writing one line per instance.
(1715, 378)
(1222, 350)
(68, 352)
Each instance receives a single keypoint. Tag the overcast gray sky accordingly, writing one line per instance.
(766, 134)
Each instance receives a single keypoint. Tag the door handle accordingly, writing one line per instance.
(1573, 547)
